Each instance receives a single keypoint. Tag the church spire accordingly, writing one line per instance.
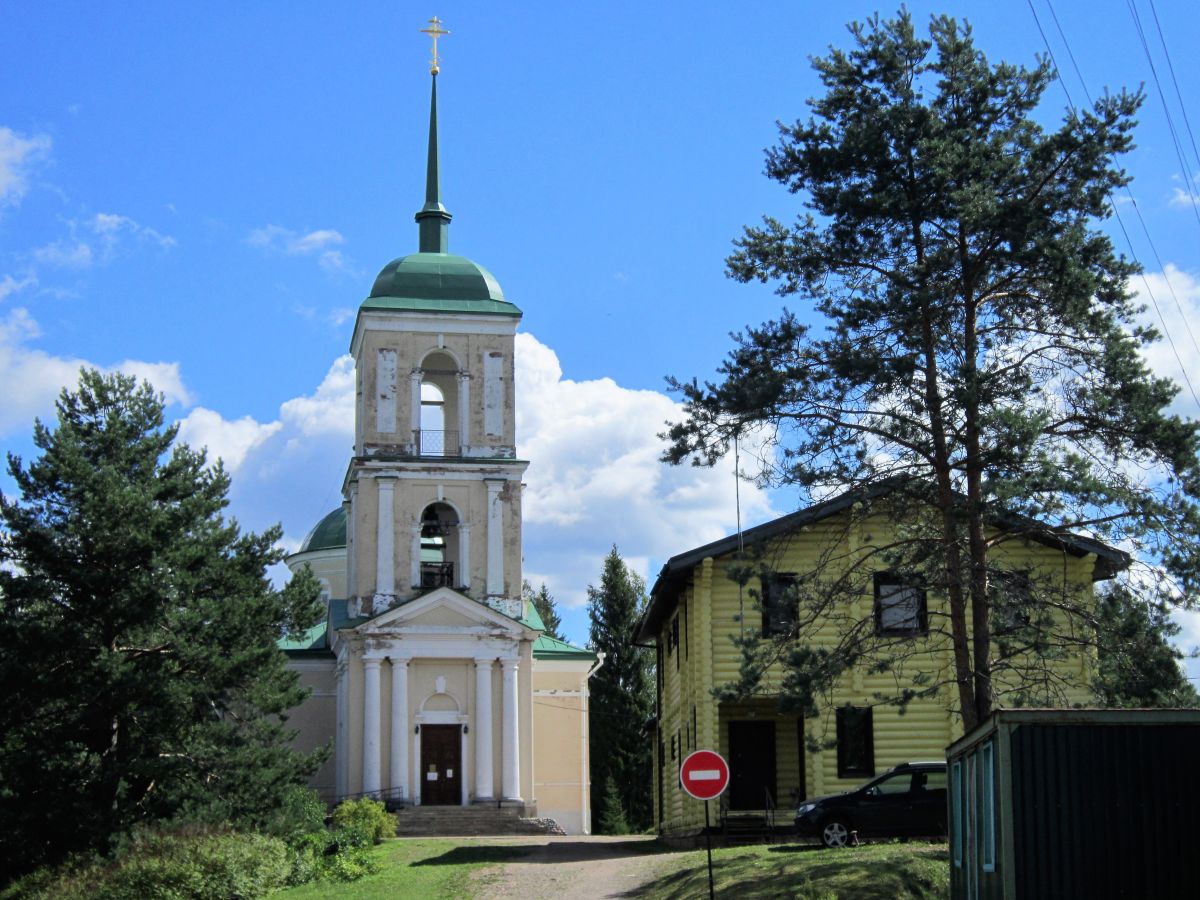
(433, 220)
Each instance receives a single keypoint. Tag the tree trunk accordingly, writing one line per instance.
(947, 504)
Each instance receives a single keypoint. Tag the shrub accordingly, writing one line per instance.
(186, 865)
(369, 815)
(300, 813)
(341, 855)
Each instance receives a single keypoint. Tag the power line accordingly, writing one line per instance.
(1193, 201)
(1175, 81)
(1112, 205)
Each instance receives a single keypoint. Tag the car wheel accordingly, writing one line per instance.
(835, 833)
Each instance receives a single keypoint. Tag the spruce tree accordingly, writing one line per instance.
(543, 602)
(622, 699)
(1137, 665)
(966, 336)
(142, 677)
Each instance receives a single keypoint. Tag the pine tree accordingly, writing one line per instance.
(971, 342)
(543, 601)
(621, 698)
(142, 677)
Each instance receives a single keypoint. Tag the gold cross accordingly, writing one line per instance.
(435, 31)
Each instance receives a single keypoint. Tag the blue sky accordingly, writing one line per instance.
(203, 194)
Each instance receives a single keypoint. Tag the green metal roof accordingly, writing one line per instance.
(311, 641)
(328, 534)
(531, 618)
(546, 647)
(438, 282)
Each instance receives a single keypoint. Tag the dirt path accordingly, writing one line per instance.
(577, 867)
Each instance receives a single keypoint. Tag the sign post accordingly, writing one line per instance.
(705, 775)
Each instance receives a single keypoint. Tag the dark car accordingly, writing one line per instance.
(908, 801)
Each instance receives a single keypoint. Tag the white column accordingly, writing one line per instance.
(464, 412)
(415, 400)
(510, 742)
(484, 759)
(495, 538)
(371, 778)
(415, 564)
(464, 555)
(399, 766)
(385, 541)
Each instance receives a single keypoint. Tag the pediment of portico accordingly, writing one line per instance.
(444, 613)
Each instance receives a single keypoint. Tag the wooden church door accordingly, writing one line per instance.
(441, 765)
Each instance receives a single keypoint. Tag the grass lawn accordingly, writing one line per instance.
(914, 871)
(429, 868)
(443, 868)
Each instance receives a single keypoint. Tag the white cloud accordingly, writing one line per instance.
(18, 155)
(1177, 295)
(319, 244)
(111, 229)
(33, 378)
(1181, 197)
(67, 254)
(229, 441)
(330, 409)
(594, 477)
(99, 238)
(10, 285)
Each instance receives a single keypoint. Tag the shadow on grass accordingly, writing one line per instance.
(550, 852)
(476, 853)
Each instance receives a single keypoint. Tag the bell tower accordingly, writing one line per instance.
(434, 486)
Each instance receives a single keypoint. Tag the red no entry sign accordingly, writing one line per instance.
(704, 774)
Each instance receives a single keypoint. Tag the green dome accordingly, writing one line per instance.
(328, 534)
(436, 276)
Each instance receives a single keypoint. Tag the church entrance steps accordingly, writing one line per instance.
(459, 821)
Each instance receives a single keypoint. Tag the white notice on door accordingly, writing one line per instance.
(431, 776)
(449, 773)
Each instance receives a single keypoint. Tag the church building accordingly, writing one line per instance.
(431, 674)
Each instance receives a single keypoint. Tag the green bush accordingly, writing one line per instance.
(369, 815)
(301, 813)
(208, 865)
(341, 855)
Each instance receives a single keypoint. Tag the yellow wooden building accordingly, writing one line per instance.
(697, 611)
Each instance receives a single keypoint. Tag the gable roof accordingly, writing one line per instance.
(677, 569)
(315, 641)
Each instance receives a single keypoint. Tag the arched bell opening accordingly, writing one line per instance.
(437, 424)
(440, 546)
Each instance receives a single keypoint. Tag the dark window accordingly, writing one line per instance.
(778, 604)
(855, 742)
(675, 639)
(658, 682)
(900, 605)
(1012, 600)
(674, 744)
